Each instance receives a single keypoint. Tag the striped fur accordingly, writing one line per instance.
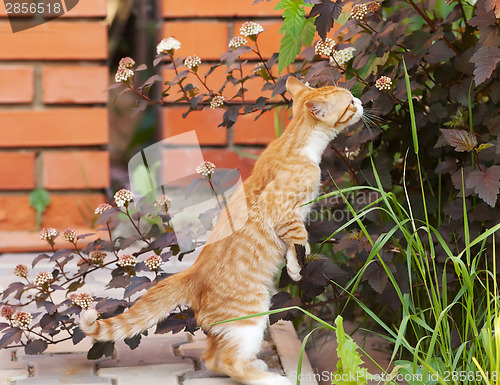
(233, 276)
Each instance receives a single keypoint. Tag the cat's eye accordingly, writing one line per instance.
(352, 102)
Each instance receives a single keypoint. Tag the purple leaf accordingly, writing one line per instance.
(137, 284)
(460, 140)
(486, 60)
(35, 347)
(9, 336)
(485, 184)
(326, 11)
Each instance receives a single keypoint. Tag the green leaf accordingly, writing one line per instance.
(348, 366)
(294, 15)
(291, 46)
(39, 200)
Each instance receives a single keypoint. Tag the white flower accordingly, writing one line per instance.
(216, 102)
(123, 197)
(342, 56)
(162, 201)
(43, 278)
(192, 62)
(123, 75)
(251, 29)
(126, 260)
(21, 271)
(102, 208)
(359, 11)
(383, 83)
(69, 235)
(206, 169)
(167, 45)
(22, 320)
(324, 47)
(84, 300)
(48, 234)
(97, 257)
(153, 262)
(237, 42)
(126, 62)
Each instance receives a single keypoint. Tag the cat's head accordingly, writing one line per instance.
(333, 107)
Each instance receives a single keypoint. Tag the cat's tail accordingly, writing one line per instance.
(155, 305)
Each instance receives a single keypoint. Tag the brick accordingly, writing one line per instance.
(70, 369)
(224, 8)
(74, 210)
(75, 169)
(75, 84)
(167, 374)
(204, 123)
(17, 171)
(57, 40)
(269, 40)
(214, 82)
(88, 8)
(226, 158)
(54, 127)
(217, 79)
(16, 84)
(247, 130)
(207, 39)
(180, 163)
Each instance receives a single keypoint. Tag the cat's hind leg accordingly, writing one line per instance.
(237, 348)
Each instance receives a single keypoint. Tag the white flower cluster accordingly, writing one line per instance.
(373, 7)
(102, 208)
(7, 312)
(162, 201)
(97, 257)
(123, 197)
(237, 42)
(206, 169)
(167, 45)
(48, 234)
(21, 271)
(342, 56)
(43, 278)
(216, 102)
(126, 260)
(126, 62)
(324, 47)
(192, 62)
(359, 11)
(84, 300)
(123, 75)
(69, 235)
(153, 262)
(251, 29)
(383, 83)
(125, 71)
(22, 320)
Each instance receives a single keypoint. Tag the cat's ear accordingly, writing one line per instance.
(320, 108)
(294, 86)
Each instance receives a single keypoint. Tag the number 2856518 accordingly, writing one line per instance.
(30, 8)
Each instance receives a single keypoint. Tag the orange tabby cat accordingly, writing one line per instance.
(233, 276)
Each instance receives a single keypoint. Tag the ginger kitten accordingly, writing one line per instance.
(232, 277)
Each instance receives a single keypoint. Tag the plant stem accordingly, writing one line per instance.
(433, 27)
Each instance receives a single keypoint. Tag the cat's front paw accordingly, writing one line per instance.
(294, 271)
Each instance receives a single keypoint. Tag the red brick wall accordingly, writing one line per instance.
(204, 28)
(53, 118)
